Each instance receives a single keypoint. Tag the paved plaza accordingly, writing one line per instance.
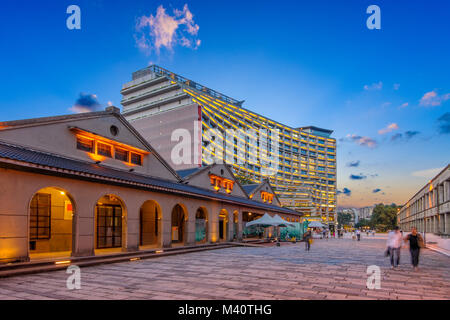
(333, 269)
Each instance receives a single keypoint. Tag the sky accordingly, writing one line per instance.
(385, 92)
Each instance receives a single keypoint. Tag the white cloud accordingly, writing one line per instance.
(404, 105)
(374, 86)
(432, 99)
(165, 30)
(428, 173)
(389, 128)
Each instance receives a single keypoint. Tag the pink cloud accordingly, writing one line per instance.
(432, 99)
(362, 141)
(389, 128)
(165, 30)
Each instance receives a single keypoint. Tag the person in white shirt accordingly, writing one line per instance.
(394, 243)
(358, 234)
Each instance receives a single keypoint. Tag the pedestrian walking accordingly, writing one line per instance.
(307, 237)
(415, 243)
(358, 234)
(394, 244)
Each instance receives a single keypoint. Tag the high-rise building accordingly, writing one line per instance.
(299, 162)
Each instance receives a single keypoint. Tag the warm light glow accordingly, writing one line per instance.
(62, 262)
(96, 157)
(266, 196)
(135, 259)
(219, 182)
(159, 251)
(90, 135)
(62, 193)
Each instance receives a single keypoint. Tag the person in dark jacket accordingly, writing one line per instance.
(415, 243)
(307, 237)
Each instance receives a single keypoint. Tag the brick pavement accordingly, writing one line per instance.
(333, 269)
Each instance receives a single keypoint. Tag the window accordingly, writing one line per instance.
(40, 216)
(85, 144)
(121, 154)
(104, 149)
(136, 159)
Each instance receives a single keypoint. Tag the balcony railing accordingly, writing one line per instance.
(184, 81)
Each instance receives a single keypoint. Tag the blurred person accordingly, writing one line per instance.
(307, 237)
(358, 234)
(394, 244)
(415, 243)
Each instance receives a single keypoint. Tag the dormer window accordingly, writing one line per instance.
(85, 144)
(219, 182)
(136, 159)
(266, 196)
(104, 149)
(121, 154)
(99, 148)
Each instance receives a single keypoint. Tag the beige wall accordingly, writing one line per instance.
(18, 187)
(58, 139)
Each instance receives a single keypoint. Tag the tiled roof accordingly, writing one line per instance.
(187, 172)
(74, 167)
(250, 187)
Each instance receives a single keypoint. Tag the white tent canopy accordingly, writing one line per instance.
(265, 221)
(316, 224)
(281, 223)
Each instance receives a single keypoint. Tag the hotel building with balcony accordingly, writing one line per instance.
(157, 102)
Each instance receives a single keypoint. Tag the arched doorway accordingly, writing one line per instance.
(150, 224)
(110, 231)
(201, 225)
(223, 225)
(179, 216)
(51, 224)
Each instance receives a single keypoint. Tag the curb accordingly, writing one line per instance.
(12, 270)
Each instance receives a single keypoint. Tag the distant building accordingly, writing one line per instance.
(365, 212)
(429, 209)
(354, 214)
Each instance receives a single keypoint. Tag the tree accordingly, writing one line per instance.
(344, 218)
(384, 217)
(362, 223)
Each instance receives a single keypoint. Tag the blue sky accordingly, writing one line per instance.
(298, 62)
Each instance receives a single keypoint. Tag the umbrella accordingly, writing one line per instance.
(281, 223)
(265, 221)
(315, 224)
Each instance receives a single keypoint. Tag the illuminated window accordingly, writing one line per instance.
(85, 144)
(104, 149)
(136, 159)
(121, 154)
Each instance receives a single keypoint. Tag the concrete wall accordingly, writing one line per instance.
(158, 129)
